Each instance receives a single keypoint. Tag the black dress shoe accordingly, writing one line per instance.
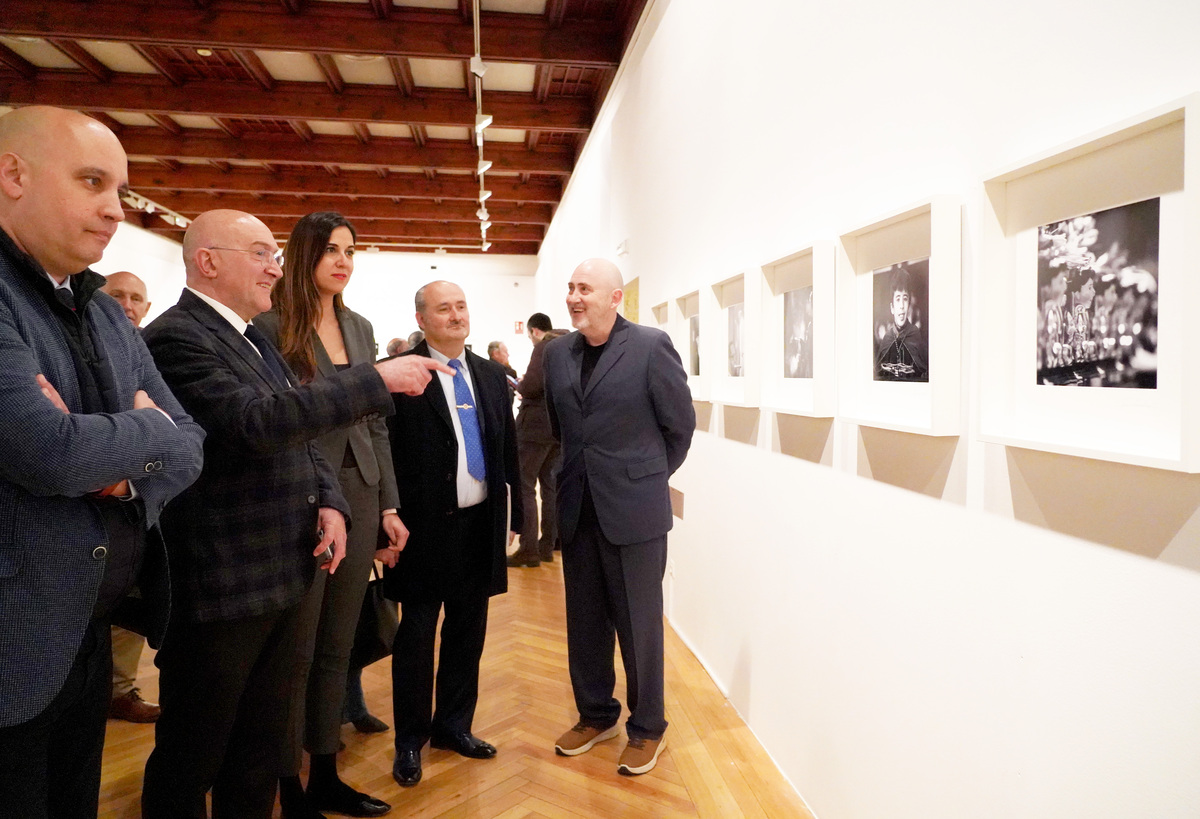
(465, 744)
(343, 799)
(370, 725)
(515, 562)
(406, 770)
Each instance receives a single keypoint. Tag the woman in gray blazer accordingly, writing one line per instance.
(318, 336)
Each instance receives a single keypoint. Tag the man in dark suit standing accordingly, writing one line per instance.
(94, 446)
(455, 453)
(538, 451)
(243, 537)
(619, 402)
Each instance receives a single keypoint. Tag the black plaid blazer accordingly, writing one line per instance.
(241, 538)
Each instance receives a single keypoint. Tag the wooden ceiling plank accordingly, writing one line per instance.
(167, 124)
(319, 183)
(292, 6)
(333, 77)
(192, 203)
(80, 56)
(255, 68)
(416, 33)
(162, 66)
(302, 129)
(402, 73)
(556, 12)
(296, 100)
(466, 11)
(461, 246)
(17, 63)
(228, 127)
(381, 8)
(362, 132)
(541, 82)
(381, 151)
(418, 134)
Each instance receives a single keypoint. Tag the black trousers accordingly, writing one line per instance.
(615, 592)
(50, 765)
(539, 464)
(463, 630)
(224, 689)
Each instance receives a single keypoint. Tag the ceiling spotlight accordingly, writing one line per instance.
(440, 250)
(479, 138)
(482, 213)
(484, 195)
(478, 67)
(373, 249)
(484, 166)
(486, 246)
(483, 121)
(204, 52)
(148, 207)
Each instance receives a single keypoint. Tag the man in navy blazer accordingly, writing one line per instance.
(455, 453)
(619, 403)
(248, 536)
(93, 447)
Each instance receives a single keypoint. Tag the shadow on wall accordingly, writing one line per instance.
(920, 463)
(1149, 512)
(810, 439)
(704, 413)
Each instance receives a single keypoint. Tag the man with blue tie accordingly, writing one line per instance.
(455, 453)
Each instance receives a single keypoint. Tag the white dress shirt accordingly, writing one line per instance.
(470, 491)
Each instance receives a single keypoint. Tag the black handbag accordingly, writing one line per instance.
(377, 625)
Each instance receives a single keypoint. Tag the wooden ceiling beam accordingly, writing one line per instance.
(329, 69)
(255, 68)
(402, 73)
(17, 63)
(292, 6)
(381, 8)
(439, 231)
(416, 246)
(556, 12)
(295, 100)
(82, 58)
(144, 178)
(302, 129)
(334, 150)
(167, 124)
(410, 32)
(163, 67)
(191, 204)
(362, 132)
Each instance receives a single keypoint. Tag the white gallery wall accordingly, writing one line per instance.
(913, 626)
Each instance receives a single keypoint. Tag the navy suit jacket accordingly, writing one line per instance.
(425, 454)
(49, 530)
(625, 435)
(242, 536)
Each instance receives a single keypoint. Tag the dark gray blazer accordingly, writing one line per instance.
(242, 536)
(425, 454)
(367, 439)
(49, 570)
(625, 435)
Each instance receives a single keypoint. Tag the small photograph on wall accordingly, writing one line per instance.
(1097, 299)
(797, 333)
(901, 322)
(736, 313)
(694, 345)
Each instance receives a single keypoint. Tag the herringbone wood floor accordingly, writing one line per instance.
(712, 767)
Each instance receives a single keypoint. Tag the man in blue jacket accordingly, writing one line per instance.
(93, 447)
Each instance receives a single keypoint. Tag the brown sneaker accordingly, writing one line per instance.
(132, 708)
(581, 738)
(640, 756)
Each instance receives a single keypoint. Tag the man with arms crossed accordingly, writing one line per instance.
(87, 459)
(127, 702)
(619, 404)
(455, 453)
(243, 537)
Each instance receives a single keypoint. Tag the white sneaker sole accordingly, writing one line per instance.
(583, 749)
(627, 770)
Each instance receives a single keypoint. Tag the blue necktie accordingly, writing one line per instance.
(469, 419)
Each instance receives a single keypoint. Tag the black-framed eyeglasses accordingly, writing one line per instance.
(264, 256)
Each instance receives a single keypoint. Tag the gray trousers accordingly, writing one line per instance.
(328, 617)
(615, 593)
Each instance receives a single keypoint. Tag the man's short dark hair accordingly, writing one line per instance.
(540, 321)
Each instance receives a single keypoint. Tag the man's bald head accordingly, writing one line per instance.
(130, 293)
(593, 295)
(228, 255)
(61, 178)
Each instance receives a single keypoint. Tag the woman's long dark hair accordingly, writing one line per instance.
(296, 299)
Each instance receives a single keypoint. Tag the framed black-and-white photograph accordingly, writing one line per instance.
(900, 326)
(798, 333)
(694, 345)
(737, 313)
(1097, 300)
